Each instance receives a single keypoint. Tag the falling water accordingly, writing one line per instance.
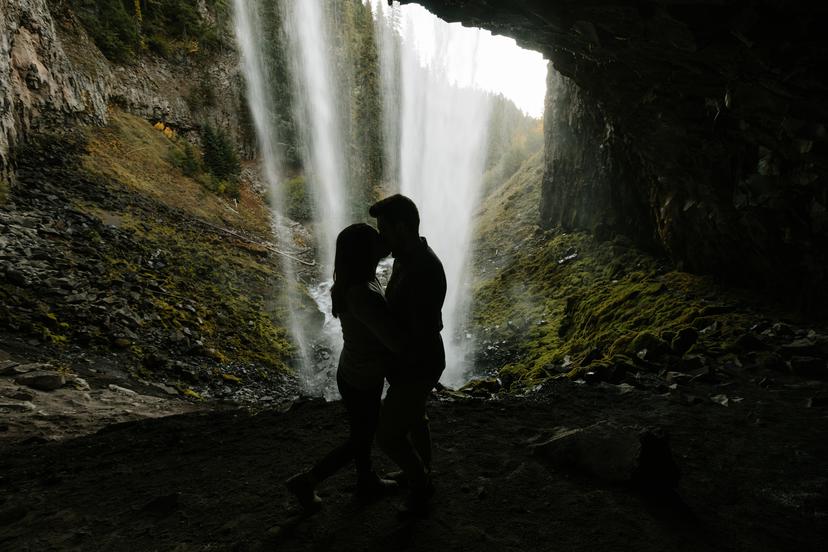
(385, 24)
(443, 132)
(316, 110)
(435, 133)
(248, 28)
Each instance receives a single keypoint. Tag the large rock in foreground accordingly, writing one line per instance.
(613, 453)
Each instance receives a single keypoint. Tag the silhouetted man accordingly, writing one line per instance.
(415, 294)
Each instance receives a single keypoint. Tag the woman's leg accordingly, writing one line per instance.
(363, 407)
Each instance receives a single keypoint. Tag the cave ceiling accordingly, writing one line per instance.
(707, 48)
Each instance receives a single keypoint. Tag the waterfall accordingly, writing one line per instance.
(440, 138)
(385, 23)
(434, 126)
(248, 27)
(319, 119)
(318, 114)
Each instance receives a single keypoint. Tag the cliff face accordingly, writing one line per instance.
(39, 85)
(590, 180)
(700, 127)
(52, 76)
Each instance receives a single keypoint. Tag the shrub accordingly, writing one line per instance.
(219, 153)
(186, 159)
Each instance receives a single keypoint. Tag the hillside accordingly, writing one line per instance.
(111, 250)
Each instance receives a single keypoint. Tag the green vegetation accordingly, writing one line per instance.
(565, 303)
(156, 162)
(297, 200)
(187, 159)
(140, 251)
(220, 160)
(513, 138)
(358, 62)
(281, 89)
(123, 29)
(356, 66)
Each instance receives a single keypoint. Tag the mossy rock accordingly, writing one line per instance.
(684, 340)
(483, 387)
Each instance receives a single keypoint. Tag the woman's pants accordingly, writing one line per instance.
(363, 408)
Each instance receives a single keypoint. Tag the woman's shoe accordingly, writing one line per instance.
(302, 486)
(398, 477)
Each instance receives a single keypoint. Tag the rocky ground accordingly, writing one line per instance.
(750, 456)
(146, 406)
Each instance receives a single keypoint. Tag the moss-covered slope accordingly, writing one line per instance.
(548, 303)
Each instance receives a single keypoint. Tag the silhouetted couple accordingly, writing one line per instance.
(395, 336)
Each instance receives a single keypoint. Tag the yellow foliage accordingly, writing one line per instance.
(169, 133)
(231, 377)
(159, 125)
(193, 394)
(138, 15)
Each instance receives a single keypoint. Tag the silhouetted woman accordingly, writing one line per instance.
(370, 338)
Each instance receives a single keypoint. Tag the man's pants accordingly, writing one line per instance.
(403, 431)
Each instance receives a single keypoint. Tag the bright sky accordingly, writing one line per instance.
(473, 56)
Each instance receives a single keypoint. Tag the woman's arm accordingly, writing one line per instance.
(370, 308)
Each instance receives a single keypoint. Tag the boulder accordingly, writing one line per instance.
(41, 380)
(684, 339)
(809, 367)
(612, 453)
(22, 395)
(801, 347)
(7, 367)
(17, 406)
(15, 369)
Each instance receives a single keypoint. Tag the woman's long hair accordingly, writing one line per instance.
(357, 251)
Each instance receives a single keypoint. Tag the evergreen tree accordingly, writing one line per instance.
(219, 153)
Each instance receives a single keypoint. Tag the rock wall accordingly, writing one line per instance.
(52, 76)
(39, 86)
(591, 180)
(699, 124)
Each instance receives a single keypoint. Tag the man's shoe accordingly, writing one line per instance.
(372, 486)
(302, 486)
(416, 504)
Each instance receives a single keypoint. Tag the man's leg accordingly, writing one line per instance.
(420, 435)
(402, 411)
